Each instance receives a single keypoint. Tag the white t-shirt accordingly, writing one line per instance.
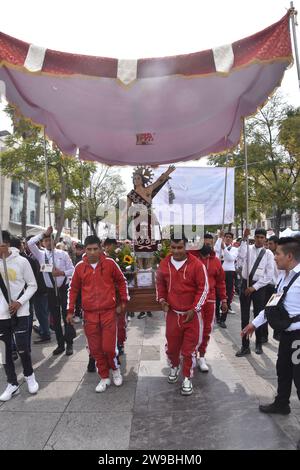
(94, 265)
(177, 264)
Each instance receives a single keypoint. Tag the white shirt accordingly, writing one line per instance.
(177, 264)
(291, 301)
(94, 265)
(229, 255)
(265, 270)
(62, 261)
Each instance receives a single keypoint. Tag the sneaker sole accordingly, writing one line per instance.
(186, 393)
(203, 371)
(172, 381)
(17, 392)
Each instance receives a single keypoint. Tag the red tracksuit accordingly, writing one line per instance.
(98, 295)
(185, 289)
(216, 280)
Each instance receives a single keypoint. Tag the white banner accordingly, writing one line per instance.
(198, 196)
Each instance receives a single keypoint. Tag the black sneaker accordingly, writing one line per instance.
(275, 409)
(43, 339)
(149, 314)
(120, 349)
(222, 324)
(243, 352)
(258, 349)
(91, 365)
(141, 315)
(15, 355)
(58, 350)
(130, 314)
(69, 350)
(36, 329)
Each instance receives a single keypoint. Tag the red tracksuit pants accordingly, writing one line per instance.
(208, 317)
(101, 332)
(121, 326)
(183, 339)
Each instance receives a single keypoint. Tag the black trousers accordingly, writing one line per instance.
(259, 301)
(229, 281)
(288, 366)
(58, 311)
(21, 332)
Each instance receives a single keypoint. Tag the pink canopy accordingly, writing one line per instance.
(148, 111)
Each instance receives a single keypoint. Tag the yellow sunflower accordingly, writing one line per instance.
(128, 259)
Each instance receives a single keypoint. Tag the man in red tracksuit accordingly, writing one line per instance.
(216, 280)
(182, 287)
(96, 276)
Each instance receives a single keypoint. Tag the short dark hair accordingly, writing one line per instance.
(178, 240)
(6, 236)
(110, 241)
(92, 240)
(80, 246)
(274, 239)
(229, 234)
(260, 231)
(16, 242)
(290, 245)
(208, 235)
(47, 236)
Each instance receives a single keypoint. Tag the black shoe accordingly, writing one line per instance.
(243, 352)
(141, 315)
(149, 314)
(58, 350)
(91, 365)
(121, 350)
(15, 355)
(222, 324)
(276, 335)
(130, 314)
(69, 350)
(276, 409)
(43, 339)
(264, 340)
(258, 349)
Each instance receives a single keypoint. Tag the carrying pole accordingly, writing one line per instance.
(293, 17)
(225, 193)
(6, 278)
(49, 209)
(246, 194)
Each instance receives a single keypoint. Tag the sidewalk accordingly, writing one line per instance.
(147, 412)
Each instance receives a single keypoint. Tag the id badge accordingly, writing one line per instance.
(274, 299)
(46, 268)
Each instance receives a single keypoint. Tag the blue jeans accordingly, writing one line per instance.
(40, 302)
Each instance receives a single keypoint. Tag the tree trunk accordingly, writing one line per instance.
(61, 215)
(277, 220)
(24, 208)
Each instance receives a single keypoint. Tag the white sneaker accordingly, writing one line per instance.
(102, 385)
(187, 386)
(32, 384)
(202, 365)
(76, 319)
(117, 377)
(173, 375)
(10, 391)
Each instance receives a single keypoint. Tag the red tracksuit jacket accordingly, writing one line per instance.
(97, 286)
(216, 275)
(185, 289)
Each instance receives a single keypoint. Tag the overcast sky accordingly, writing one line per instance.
(139, 28)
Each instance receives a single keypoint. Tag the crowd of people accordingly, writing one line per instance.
(195, 289)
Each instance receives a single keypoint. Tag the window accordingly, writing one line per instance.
(16, 202)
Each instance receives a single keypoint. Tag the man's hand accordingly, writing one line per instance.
(121, 308)
(69, 318)
(248, 330)
(57, 272)
(224, 306)
(249, 291)
(165, 306)
(189, 316)
(222, 233)
(14, 307)
(246, 232)
(49, 231)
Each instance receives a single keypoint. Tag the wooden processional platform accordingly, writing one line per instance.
(143, 299)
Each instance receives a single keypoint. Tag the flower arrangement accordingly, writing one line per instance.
(164, 249)
(124, 257)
